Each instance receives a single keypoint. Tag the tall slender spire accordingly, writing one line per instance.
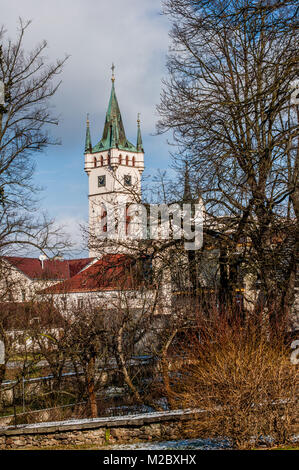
(113, 134)
(114, 131)
(88, 146)
(139, 145)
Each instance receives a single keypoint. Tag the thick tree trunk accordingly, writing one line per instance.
(192, 262)
(224, 291)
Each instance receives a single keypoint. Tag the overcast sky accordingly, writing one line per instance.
(131, 33)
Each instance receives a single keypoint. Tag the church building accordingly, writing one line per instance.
(114, 167)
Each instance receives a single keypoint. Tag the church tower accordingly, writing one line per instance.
(114, 166)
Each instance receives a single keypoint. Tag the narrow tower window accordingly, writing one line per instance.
(127, 160)
(101, 181)
(120, 160)
(94, 162)
(128, 180)
(133, 161)
(102, 160)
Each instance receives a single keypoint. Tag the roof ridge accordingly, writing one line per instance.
(53, 269)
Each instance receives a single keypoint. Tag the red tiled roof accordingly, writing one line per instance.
(112, 272)
(51, 269)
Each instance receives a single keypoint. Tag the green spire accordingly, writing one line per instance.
(139, 145)
(114, 133)
(88, 146)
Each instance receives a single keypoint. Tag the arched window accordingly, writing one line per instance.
(133, 161)
(128, 219)
(120, 160)
(102, 160)
(94, 162)
(127, 160)
(103, 220)
(109, 160)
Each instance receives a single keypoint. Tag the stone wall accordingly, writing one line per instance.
(100, 431)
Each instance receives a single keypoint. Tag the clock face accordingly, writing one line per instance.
(101, 181)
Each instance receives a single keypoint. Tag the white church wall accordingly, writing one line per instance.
(107, 300)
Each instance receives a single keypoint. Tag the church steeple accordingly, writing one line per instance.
(139, 145)
(114, 167)
(114, 135)
(88, 146)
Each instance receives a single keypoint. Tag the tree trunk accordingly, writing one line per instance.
(122, 363)
(91, 388)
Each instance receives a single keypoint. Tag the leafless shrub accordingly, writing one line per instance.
(241, 376)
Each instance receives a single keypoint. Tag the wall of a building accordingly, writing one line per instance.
(115, 191)
(15, 286)
(113, 300)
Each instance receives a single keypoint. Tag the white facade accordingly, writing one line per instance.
(114, 177)
(114, 168)
(117, 300)
(16, 286)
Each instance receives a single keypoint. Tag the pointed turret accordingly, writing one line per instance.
(114, 132)
(88, 146)
(139, 145)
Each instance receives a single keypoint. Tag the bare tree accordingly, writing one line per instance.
(227, 101)
(87, 350)
(29, 83)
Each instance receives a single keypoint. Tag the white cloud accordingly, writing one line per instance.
(132, 34)
(75, 229)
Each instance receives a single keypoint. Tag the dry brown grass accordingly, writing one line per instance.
(243, 379)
